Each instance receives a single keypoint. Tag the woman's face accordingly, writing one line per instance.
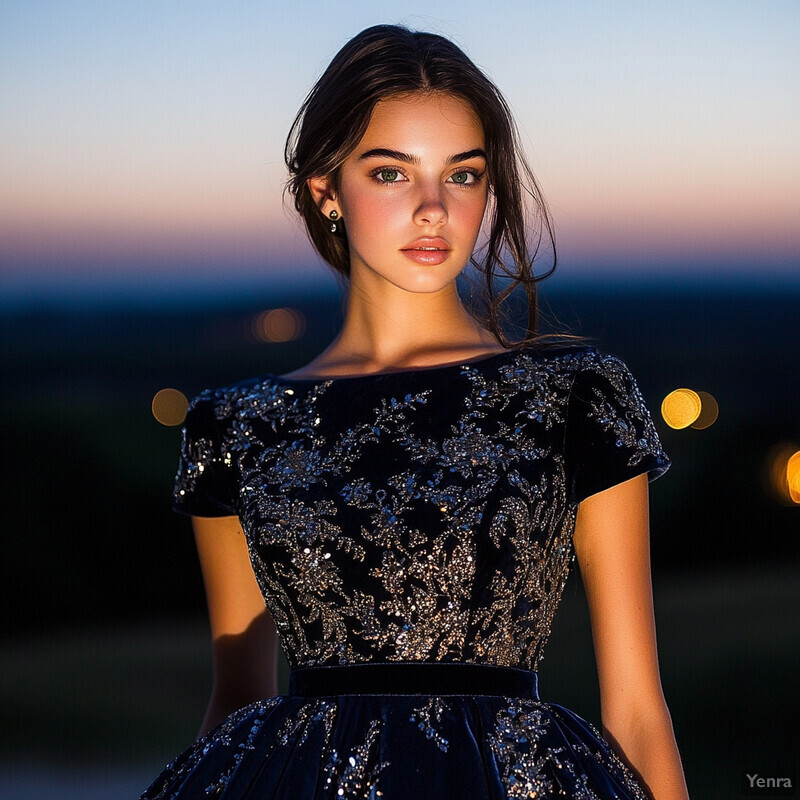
(413, 192)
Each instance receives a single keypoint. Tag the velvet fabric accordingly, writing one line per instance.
(422, 678)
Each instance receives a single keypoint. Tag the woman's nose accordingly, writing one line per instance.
(431, 209)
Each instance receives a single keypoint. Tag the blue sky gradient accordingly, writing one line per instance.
(141, 144)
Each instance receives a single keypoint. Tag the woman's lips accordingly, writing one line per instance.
(427, 251)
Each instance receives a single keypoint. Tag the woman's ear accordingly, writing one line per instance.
(323, 194)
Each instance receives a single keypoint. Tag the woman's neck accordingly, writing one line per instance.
(397, 329)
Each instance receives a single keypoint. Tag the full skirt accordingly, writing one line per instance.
(399, 747)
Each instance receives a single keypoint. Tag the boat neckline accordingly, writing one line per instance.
(391, 373)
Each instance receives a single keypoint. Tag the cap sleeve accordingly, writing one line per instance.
(610, 435)
(204, 484)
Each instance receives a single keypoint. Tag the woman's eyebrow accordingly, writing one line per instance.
(396, 155)
(468, 154)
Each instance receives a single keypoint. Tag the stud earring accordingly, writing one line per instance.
(334, 215)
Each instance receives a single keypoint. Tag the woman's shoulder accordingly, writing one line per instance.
(232, 399)
(567, 354)
(579, 366)
(580, 355)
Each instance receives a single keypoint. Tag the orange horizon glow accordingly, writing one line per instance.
(121, 144)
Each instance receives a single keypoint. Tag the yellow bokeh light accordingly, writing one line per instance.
(278, 325)
(793, 476)
(709, 411)
(783, 473)
(681, 408)
(169, 406)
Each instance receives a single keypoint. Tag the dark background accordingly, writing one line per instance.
(105, 659)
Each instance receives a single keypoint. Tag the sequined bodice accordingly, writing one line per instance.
(417, 516)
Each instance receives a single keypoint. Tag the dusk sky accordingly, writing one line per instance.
(141, 144)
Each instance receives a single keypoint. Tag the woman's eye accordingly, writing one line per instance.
(389, 175)
(463, 178)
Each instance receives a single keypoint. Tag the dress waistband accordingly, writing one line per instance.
(411, 677)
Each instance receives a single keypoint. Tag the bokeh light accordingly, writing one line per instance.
(683, 408)
(680, 408)
(278, 325)
(782, 473)
(169, 406)
(793, 476)
(709, 411)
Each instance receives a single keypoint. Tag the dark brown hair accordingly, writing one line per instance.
(388, 60)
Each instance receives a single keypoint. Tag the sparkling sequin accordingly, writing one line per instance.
(428, 719)
(357, 776)
(514, 741)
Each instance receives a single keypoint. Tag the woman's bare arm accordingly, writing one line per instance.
(612, 544)
(244, 639)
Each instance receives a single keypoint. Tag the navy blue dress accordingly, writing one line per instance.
(406, 520)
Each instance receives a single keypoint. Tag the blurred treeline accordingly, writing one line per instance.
(87, 471)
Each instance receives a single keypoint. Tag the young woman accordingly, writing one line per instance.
(402, 512)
